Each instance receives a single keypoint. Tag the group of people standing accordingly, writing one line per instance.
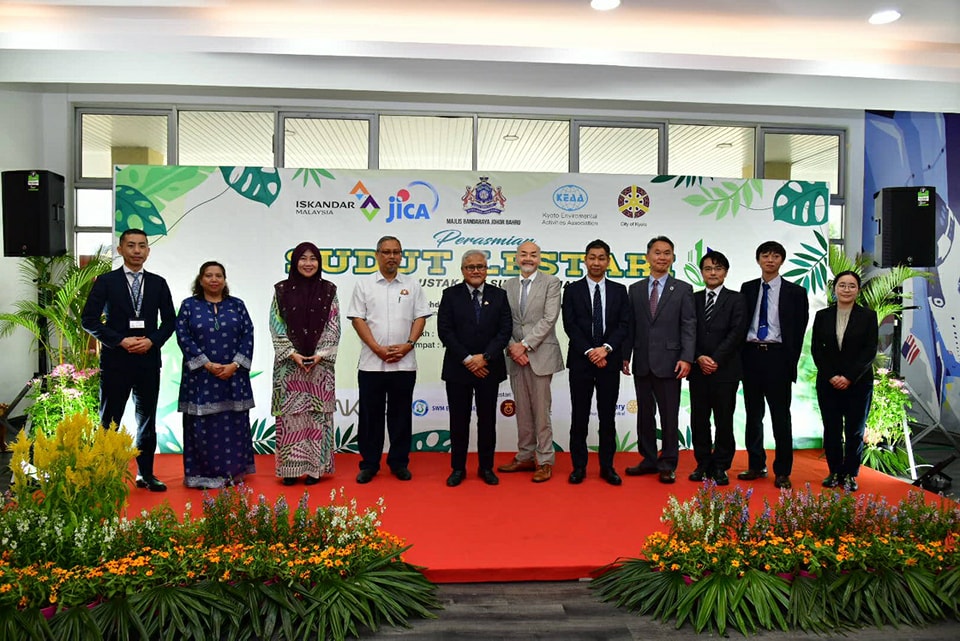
(716, 337)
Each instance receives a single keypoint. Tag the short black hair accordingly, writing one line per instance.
(660, 239)
(597, 244)
(131, 232)
(771, 247)
(384, 239)
(848, 272)
(716, 257)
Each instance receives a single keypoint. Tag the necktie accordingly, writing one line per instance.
(524, 289)
(597, 317)
(476, 304)
(762, 318)
(654, 297)
(708, 309)
(135, 292)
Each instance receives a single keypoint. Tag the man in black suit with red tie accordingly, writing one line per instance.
(715, 375)
(474, 324)
(133, 301)
(596, 318)
(779, 313)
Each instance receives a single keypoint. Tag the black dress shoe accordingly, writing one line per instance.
(698, 475)
(365, 476)
(402, 473)
(752, 475)
(668, 476)
(290, 480)
(488, 476)
(311, 480)
(151, 483)
(721, 478)
(782, 482)
(640, 470)
(455, 478)
(833, 480)
(577, 476)
(610, 475)
(850, 484)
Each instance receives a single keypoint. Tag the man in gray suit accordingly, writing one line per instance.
(665, 338)
(533, 357)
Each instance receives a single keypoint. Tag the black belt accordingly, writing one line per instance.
(763, 347)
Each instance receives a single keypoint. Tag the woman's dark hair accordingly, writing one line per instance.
(848, 272)
(198, 288)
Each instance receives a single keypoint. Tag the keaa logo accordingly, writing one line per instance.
(570, 197)
(420, 407)
(633, 202)
(403, 205)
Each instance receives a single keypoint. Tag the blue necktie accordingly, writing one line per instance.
(597, 317)
(762, 319)
(476, 304)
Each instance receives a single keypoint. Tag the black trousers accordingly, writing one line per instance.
(844, 414)
(461, 395)
(606, 382)
(115, 388)
(768, 380)
(386, 398)
(714, 452)
(663, 394)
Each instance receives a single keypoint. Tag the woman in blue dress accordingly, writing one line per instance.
(216, 337)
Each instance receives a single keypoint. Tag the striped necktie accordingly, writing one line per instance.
(708, 310)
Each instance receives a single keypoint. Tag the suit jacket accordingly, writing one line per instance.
(462, 335)
(670, 336)
(110, 296)
(577, 308)
(855, 359)
(721, 338)
(794, 314)
(538, 324)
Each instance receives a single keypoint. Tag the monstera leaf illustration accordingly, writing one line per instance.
(167, 441)
(162, 184)
(728, 198)
(259, 184)
(313, 174)
(432, 441)
(805, 204)
(134, 210)
(810, 269)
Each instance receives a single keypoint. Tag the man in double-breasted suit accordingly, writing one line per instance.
(779, 313)
(139, 318)
(596, 318)
(715, 375)
(473, 323)
(664, 339)
(533, 357)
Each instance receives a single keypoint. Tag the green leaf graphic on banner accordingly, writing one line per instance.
(686, 181)
(729, 198)
(432, 441)
(810, 266)
(802, 203)
(163, 185)
(167, 442)
(315, 174)
(136, 211)
(259, 184)
(264, 437)
(346, 441)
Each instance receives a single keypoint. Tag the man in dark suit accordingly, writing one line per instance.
(132, 301)
(715, 375)
(664, 338)
(779, 313)
(596, 318)
(474, 325)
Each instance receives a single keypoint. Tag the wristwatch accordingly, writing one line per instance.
(411, 343)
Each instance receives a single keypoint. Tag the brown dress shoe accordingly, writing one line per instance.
(518, 466)
(543, 473)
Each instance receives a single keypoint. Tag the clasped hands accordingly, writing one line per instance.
(136, 344)
(393, 353)
(840, 382)
(477, 365)
(223, 371)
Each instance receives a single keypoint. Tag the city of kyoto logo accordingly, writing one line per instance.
(633, 202)
(508, 407)
(403, 205)
(368, 205)
(484, 199)
(570, 197)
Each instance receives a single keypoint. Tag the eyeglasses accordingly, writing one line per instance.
(475, 268)
(391, 252)
(847, 286)
(713, 268)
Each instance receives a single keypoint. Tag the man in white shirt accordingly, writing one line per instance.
(389, 311)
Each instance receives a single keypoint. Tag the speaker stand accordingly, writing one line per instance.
(925, 429)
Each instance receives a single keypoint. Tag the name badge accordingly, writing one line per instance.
(137, 324)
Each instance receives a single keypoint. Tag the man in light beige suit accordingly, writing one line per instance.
(533, 356)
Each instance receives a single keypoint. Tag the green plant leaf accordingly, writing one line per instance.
(259, 184)
(134, 210)
(802, 203)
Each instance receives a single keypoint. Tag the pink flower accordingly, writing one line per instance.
(63, 369)
(882, 371)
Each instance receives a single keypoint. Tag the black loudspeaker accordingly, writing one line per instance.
(33, 214)
(906, 220)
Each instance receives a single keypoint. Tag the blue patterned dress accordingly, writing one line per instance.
(217, 444)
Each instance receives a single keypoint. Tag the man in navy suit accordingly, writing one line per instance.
(715, 375)
(596, 318)
(664, 338)
(132, 302)
(779, 313)
(474, 324)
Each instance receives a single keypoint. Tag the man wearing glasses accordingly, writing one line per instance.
(474, 324)
(388, 311)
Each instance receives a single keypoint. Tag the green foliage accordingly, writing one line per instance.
(61, 393)
(431, 441)
(259, 184)
(729, 198)
(802, 203)
(880, 290)
(313, 174)
(810, 265)
(134, 210)
(686, 181)
(345, 441)
(264, 437)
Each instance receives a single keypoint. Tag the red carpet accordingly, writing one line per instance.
(519, 530)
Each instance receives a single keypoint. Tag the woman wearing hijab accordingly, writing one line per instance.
(305, 327)
(843, 346)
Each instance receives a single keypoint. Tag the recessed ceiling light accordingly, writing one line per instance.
(724, 145)
(511, 137)
(604, 5)
(885, 17)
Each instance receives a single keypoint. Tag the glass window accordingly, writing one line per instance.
(111, 139)
(233, 138)
(799, 156)
(710, 150)
(835, 221)
(426, 142)
(94, 207)
(519, 144)
(88, 243)
(619, 150)
(326, 143)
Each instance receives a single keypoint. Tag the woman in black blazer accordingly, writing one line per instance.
(844, 346)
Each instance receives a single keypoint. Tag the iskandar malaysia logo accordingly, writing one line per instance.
(368, 204)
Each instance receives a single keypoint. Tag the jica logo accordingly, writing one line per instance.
(417, 200)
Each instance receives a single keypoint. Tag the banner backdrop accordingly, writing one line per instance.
(250, 218)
